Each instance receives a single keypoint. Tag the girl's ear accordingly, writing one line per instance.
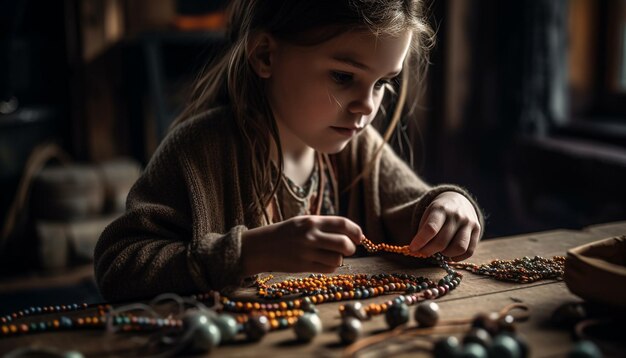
(260, 53)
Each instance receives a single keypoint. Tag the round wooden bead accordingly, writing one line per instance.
(427, 314)
(227, 325)
(505, 346)
(354, 309)
(397, 314)
(447, 347)
(257, 327)
(204, 334)
(350, 329)
(308, 326)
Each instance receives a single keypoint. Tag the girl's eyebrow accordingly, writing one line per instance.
(349, 60)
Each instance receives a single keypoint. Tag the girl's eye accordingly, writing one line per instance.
(341, 77)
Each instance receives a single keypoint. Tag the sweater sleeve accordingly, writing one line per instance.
(395, 197)
(157, 246)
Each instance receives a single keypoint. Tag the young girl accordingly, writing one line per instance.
(274, 167)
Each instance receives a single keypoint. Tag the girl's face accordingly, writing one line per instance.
(324, 95)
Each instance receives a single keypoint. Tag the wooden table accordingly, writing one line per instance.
(475, 294)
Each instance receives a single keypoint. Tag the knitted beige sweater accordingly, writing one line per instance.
(184, 216)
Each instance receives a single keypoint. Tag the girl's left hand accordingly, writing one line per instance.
(449, 225)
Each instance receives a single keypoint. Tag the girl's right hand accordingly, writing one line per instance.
(300, 244)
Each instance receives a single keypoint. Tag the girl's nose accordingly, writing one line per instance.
(363, 103)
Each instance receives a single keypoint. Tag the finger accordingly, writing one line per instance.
(335, 242)
(459, 244)
(341, 225)
(432, 221)
(442, 239)
(471, 247)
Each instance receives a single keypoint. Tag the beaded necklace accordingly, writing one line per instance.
(319, 196)
(257, 318)
(12, 323)
(521, 270)
(318, 288)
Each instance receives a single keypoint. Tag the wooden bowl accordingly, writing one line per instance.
(597, 271)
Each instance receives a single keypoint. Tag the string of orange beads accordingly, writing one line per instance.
(394, 249)
(315, 289)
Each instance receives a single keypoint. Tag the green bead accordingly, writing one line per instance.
(204, 334)
(478, 335)
(308, 326)
(350, 330)
(585, 349)
(505, 346)
(521, 342)
(73, 354)
(227, 325)
(447, 347)
(397, 314)
(473, 350)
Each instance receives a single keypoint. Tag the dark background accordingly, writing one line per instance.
(524, 107)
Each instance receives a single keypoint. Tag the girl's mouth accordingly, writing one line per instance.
(346, 132)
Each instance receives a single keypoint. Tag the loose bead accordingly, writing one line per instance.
(204, 333)
(521, 342)
(350, 330)
(479, 336)
(474, 350)
(447, 347)
(257, 327)
(308, 327)
(397, 314)
(504, 346)
(585, 349)
(227, 325)
(72, 354)
(427, 314)
(354, 309)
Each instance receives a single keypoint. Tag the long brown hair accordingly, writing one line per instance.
(232, 82)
